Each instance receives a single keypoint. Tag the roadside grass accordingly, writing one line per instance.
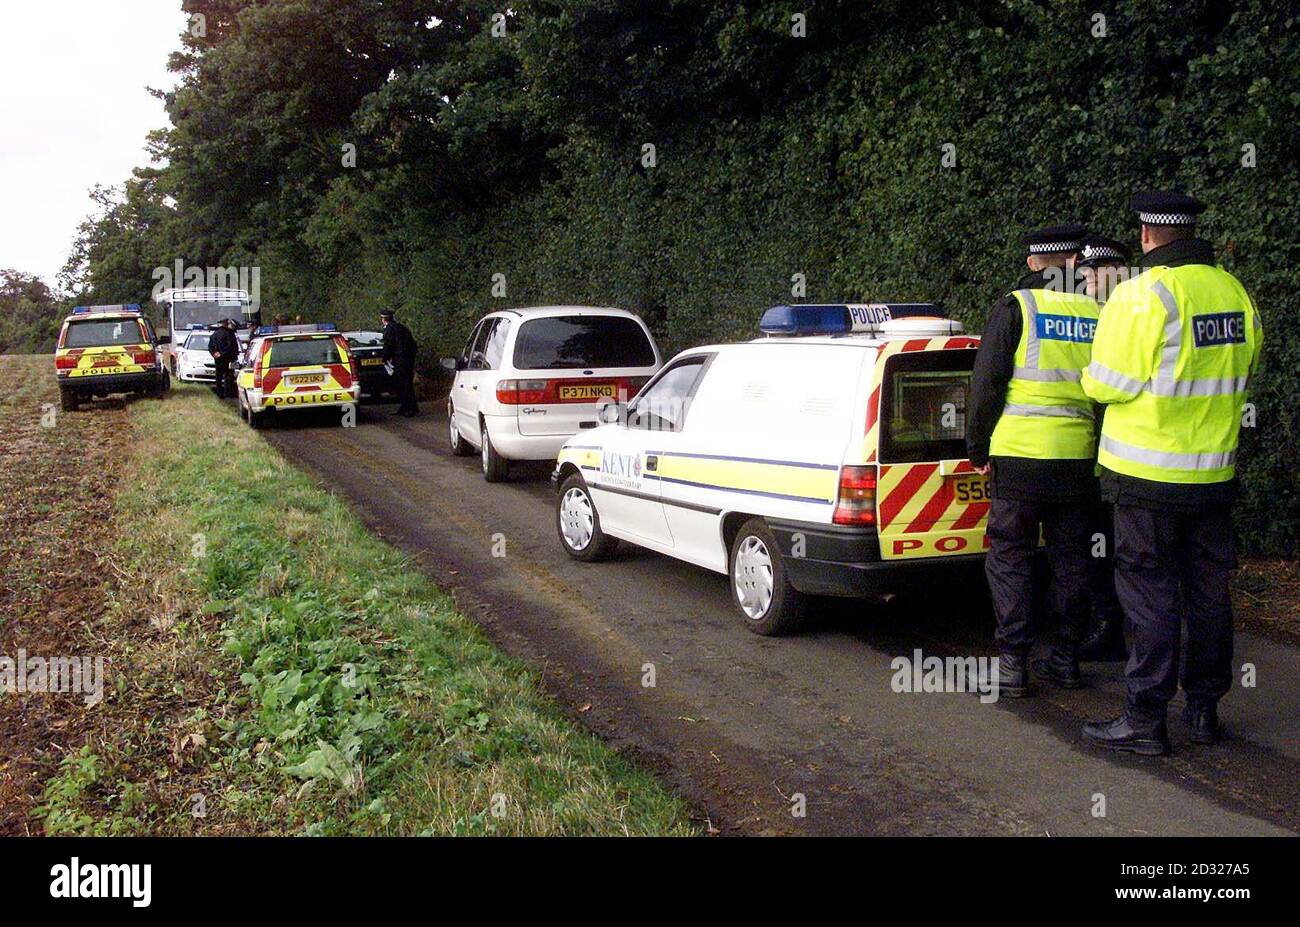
(287, 672)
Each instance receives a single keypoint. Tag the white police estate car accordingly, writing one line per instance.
(827, 457)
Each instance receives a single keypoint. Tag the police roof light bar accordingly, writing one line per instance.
(309, 328)
(842, 318)
(117, 307)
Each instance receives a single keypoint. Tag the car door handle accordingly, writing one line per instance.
(651, 462)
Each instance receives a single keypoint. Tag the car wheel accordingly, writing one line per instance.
(459, 446)
(495, 467)
(67, 400)
(760, 590)
(578, 523)
(254, 419)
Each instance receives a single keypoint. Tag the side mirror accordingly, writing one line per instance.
(165, 338)
(453, 364)
(612, 413)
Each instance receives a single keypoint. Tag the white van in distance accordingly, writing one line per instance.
(529, 379)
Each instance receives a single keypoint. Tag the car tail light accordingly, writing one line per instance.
(857, 501)
(522, 392)
(65, 362)
(257, 367)
(143, 358)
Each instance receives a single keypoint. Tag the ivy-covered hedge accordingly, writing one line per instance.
(775, 155)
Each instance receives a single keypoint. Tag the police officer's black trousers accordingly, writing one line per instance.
(1170, 568)
(1013, 531)
(225, 383)
(1101, 566)
(404, 378)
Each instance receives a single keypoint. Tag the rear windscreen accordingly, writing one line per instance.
(99, 332)
(923, 406)
(306, 353)
(578, 341)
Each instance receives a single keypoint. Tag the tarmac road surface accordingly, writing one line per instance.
(743, 725)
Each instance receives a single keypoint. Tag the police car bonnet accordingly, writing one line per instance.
(857, 318)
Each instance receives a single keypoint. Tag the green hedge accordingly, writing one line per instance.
(776, 155)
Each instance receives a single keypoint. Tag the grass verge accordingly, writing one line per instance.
(274, 668)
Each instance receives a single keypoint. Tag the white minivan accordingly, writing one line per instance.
(529, 379)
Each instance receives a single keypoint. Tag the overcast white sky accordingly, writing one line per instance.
(73, 112)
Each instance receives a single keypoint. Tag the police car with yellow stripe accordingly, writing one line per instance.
(108, 349)
(827, 457)
(289, 367)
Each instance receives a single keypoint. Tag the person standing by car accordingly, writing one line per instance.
(1031, 430)
(224, 348)
(1175, 350)
(399, 351)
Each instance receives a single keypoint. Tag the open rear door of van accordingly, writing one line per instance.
(930, 500)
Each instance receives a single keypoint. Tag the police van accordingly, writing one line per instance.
(108, 349)
(827, 457)
(296, 367)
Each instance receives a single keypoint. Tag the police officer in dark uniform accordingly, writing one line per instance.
(1102, 265)
(1031, 429)
(224, 348)
(1174, 352)
(399, 350)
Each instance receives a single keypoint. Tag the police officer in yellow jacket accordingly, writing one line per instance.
(1174, 350)
(1031, 428)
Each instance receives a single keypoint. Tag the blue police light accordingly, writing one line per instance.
(116, 307)
(841, 318)
(806, 319)
(294, 329)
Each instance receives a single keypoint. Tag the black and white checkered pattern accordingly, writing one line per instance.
(1101, 253)
(1166, 218)
(1054, 247)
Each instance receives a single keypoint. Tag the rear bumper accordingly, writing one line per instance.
(116, 383)
(843, 561)
(511, 445)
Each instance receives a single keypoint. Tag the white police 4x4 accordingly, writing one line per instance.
(826, 458)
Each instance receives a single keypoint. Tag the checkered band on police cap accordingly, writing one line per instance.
(1053, 247)
(1093, 252)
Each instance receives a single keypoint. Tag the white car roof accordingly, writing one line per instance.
(536, 311)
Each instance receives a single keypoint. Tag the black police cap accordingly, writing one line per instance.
(1055, 239)
(1098, 249)
(1166, 207)
(385, 313)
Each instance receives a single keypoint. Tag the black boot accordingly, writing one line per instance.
(1011, 679)
(1061, 666)
(1104, 641)
(1203, 723)
(1148, 738)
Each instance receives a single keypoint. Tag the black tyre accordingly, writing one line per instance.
(495, 467)
(254, 419)
(459, 446)
(762, 594)
(68, 400)
(578, 523)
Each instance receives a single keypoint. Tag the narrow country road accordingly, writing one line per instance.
(743, 725)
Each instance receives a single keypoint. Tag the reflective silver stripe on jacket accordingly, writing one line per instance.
(1031, 329)
(1020, 408)
(1204, 387)
(1168, 459)
(1113, 378)
(1050, 375)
